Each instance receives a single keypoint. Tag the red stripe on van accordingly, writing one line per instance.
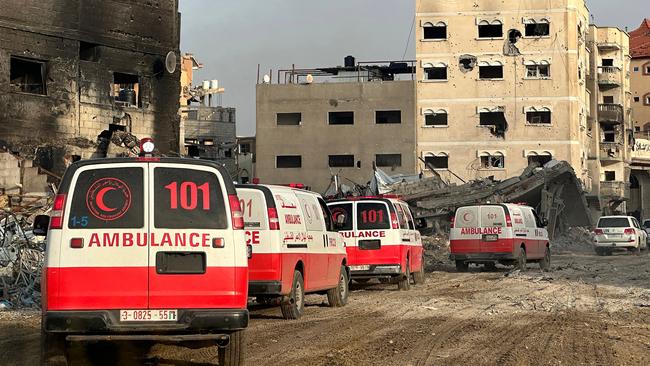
(388, 254)
(116, 288)
(469, 246)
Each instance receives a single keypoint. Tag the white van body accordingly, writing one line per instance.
(292, 235)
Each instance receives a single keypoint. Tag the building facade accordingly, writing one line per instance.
(308, 129)
(74, 70)
(500, 85)
(610, 119)
(210, 133)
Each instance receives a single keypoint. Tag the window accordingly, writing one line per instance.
(372, 216)
(608, 99)
(289, 119)
(341, 161)
(490, 30)
(609, 133)
(388, 160)
(126, 88)
(646, 99)
(288, 161)
(492, 161)
(636, 69)
(538, 117)
(341, 118)
(496, 120)
(439, 118)
(344, 209)
(28, 76)
(245, 148)
(435, 72)
(647, 69)
(610, 176)
(608, 62)
(541, 29)
(88, 52)
(539, 160)
(541, 71)
(637, 99)
(227, 153)
(388, 117)
(437, 162)
(490, 72)
(435, 31)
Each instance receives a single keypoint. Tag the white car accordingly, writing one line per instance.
(619, 232)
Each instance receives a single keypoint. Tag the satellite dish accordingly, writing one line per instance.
(310, 78)
(267, 79)
(170, 62)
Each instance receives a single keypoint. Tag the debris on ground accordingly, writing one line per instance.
(576, 240)
(436, 252)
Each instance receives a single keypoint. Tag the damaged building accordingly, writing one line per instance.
(75, 73)
(501, 84)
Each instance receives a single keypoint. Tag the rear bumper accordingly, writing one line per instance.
(258, 288)
(374, 271)
(471, 257)
(616, 244)
(107, 321)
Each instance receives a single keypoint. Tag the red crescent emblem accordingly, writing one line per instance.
(99, 199)
(465, 217)
(120, 199)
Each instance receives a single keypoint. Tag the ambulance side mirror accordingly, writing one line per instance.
(340, 221)
(544, 222)
(41, 224)
(420, 224)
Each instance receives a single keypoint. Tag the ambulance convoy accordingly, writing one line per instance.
(152, 249)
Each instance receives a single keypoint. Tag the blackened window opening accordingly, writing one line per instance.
(341, 161)
(289, 119)
(490, 72)
(388, 117)
(89, 52)
(126, 89)
(490, 31)
(437, 162)
(435, 73)
(538, 30)
(289, 161)
(389, 160)
(341, 118)
(27, 76)
(537, 118)
(435, 32)
(436, 119)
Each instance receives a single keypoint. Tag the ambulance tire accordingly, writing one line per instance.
(293, 306)
(233, 354)
(492, 266)
(545, 263)
(385, 280)
(462, 266)
(521, 260)
(404, 283)
(338, 296)
(53, 352)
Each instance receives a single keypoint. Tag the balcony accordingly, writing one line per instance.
(611, 151)
(615, 190)
(609, 77)
(608, 46)
(611, 114)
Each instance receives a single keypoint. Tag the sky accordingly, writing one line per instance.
(230, 38)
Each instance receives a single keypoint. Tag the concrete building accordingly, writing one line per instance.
(317, 122)
(610, 120)
(246, 155)
(210, 133)
(501, 84)
(73, 70)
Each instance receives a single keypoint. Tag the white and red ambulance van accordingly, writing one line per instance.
(144, 249)
(509, 234)
(381, 239)
(295, 248)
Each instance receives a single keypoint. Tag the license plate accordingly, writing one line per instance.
(359, 268)
(148, 315)
(490, 237)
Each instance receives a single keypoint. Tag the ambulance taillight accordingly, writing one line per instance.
(274, 222)
(236, 212)
(508, 221)
(393, 220)
(56, 216)
(453, 221)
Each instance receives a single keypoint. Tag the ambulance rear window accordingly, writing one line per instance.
(372, 216)
(188, 199)
(466, 217)
(253, 205)
(345, 209)
(108, 198)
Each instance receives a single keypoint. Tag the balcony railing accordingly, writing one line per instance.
(611, 114)
(611, 151)
(609, 76)
(609, 45)
(618, 190)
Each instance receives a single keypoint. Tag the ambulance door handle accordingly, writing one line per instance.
(324, 241)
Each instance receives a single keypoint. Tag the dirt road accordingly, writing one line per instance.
(589, 311)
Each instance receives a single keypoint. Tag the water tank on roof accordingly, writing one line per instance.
(214, 84)
(350, 61)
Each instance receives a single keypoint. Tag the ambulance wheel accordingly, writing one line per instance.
(294, 305)
(385, 280)
(53, 352)
(418, 277)
(462, 266)
(232, 354)
(521, 260)
(338, 296)
(404, 283)
(545, 263)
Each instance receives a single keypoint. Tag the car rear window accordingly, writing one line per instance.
(108, 198)
(372, 216)
(188, 199)
(346, 210)
(254, 206)
(614, 222)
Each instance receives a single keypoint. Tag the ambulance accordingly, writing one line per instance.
(144, 249)
(381, 239)
(509, 234)
(295, 248)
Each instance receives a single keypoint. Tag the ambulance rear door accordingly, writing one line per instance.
(376, 242)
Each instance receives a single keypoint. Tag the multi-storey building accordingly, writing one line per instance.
(316, 123)
(501, 84)
(610, 122)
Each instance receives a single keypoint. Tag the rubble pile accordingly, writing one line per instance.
(21, 256)
(575, 239)
(436, 252)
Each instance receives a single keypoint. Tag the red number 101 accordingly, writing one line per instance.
(189, 195)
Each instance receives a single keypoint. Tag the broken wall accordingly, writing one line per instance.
(131, 37)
